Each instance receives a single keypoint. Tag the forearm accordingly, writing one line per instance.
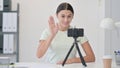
(90, 57)
(86, 58)
(43, 46)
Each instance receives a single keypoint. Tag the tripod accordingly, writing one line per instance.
(81, 57)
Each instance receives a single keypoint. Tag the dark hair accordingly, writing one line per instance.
(64, 6)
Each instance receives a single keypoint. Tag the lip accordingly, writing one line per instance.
(65, 23)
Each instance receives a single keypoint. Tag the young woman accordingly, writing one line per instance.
(54, 43)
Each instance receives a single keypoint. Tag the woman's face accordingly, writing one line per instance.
(65, 17)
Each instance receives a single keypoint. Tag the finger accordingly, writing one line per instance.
(57, 26)
(60, 62)
(50, 23)
(52, 20)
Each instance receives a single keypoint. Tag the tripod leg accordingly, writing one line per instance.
(81, 57)
(67, 54)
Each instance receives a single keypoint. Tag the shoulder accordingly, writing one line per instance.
(45, 34)
(46, 31)
(82, 39)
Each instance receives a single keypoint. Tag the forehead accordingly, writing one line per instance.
(65, 12)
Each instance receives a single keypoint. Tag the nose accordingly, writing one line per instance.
(66, 19)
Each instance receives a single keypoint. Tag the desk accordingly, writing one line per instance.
(47, 65)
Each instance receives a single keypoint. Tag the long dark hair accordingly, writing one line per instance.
(64, 6)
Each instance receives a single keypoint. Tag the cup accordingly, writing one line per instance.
(107, 61)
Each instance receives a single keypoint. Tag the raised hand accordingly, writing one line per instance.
(53, 27)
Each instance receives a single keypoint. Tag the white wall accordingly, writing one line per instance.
(112, 41)
(115, 14)
(34, 16)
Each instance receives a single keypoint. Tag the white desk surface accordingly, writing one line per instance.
(47, 65)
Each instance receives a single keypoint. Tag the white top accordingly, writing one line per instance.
(60, 46)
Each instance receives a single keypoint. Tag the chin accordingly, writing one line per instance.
(66, 26)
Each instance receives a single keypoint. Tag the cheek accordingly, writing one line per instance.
(69, 20)
(61, 19)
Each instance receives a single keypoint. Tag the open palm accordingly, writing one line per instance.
(53, 27)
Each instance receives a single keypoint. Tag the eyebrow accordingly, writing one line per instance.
(64, 14)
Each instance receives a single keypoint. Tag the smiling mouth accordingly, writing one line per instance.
(65, 23)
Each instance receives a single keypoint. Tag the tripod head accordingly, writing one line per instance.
(75, 32)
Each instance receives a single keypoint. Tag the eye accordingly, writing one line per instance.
(69, 16)
(63, 16)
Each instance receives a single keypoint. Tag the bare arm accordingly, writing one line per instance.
(90, 57)
(44, 44)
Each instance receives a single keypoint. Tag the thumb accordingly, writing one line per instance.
(57, 26)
